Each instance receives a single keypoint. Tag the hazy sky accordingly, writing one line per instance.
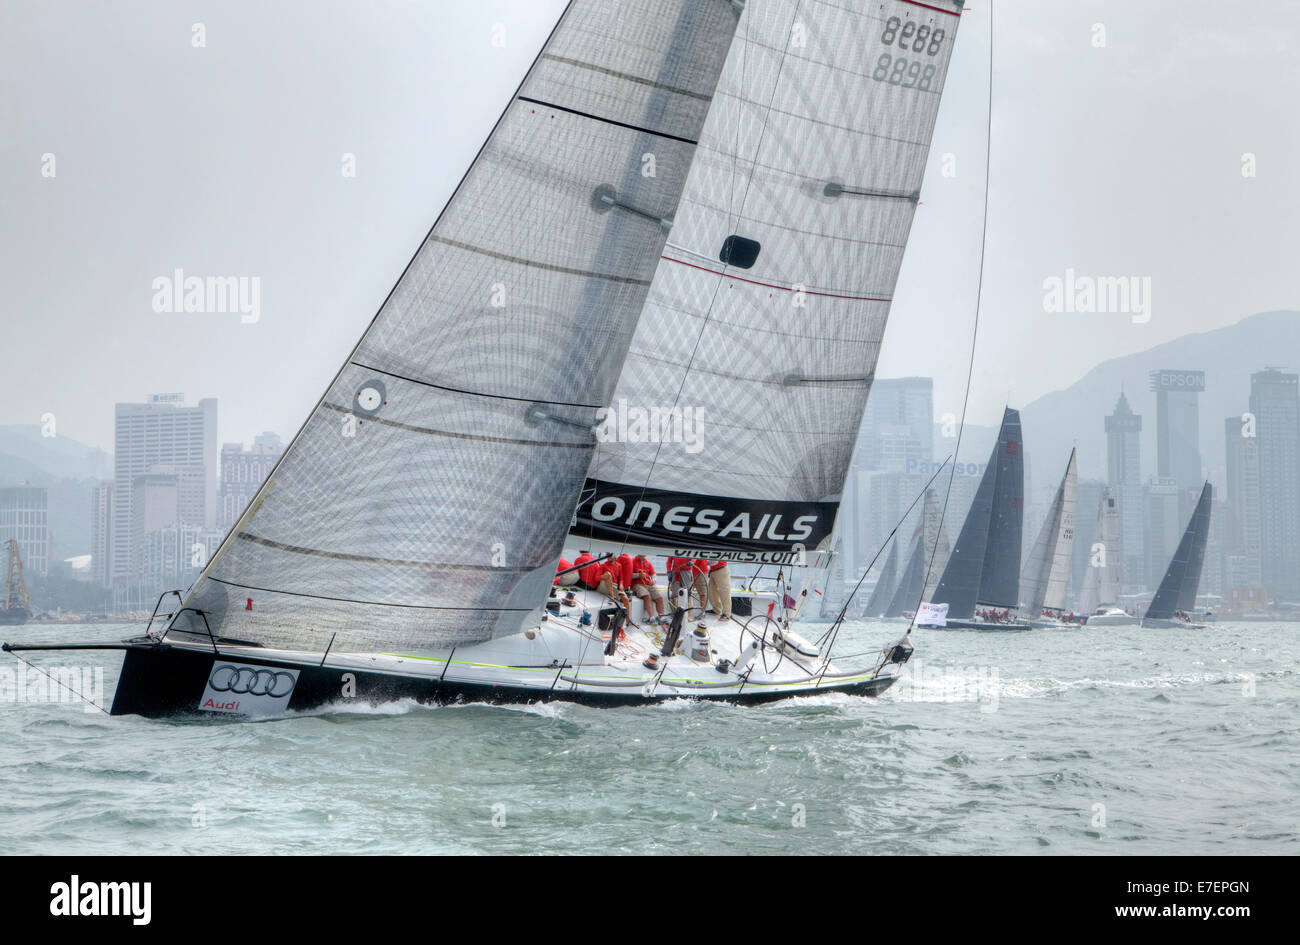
(1118, 160)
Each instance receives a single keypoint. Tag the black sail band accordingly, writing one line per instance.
(685, 520)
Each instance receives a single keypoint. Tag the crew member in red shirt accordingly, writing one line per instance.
(644, 586)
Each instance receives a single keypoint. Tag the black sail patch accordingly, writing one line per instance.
(636, 514)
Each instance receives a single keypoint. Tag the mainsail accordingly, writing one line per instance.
(984, 566)
(884, 589)
(765, 316)
(1177, 591)
(1101, 580)
(1047, 573)
(426, 499)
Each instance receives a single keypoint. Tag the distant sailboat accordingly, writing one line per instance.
(1045, 584)
(1099, 596)
(929, 540)
(695, 204)
(883, 592)
(981, 582)
(1175, 599)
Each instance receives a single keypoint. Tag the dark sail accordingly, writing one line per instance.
(1177, 590)
(1000, 577)
(883, 591)
(984, 567)
(909, 590)
(959, 587)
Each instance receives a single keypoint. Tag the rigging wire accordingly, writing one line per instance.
(975, 328)
(62, 684)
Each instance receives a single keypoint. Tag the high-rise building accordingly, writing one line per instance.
(1241, 504)
(1124, 476)
(101, 529)
(898, 424)
(23, 516)
(1164, 526)
(1275, 405)
(243, 471)
(162, 437)
(1178, 436)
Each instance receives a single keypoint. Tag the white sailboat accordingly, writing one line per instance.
(687, 205)
(1045, 584)
(1099, 596)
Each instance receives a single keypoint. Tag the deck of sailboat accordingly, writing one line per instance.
(561, 658)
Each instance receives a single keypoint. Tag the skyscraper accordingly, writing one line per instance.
(1241, 501)
(1275, 404)
(101, 531)
(243, 471)
(898, 425)
(1124, 464)
(162, 437)
(1178, 437)
(23, 516)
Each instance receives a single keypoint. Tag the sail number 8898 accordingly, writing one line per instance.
(899, 70)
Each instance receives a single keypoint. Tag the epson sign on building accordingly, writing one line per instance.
(1192, 381)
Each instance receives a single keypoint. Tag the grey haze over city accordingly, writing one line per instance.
(1117, 160)
(1141, 190)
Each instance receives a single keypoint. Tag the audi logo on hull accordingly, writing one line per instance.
(244, 689)
(245, 680)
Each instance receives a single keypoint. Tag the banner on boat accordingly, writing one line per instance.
(932, 615)
(636, 514)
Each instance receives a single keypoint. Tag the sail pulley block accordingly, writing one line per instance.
(836, 189)
(369, 397)
(536, 414)
(739, 251)
(605, 198)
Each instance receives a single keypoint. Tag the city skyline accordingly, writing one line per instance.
(409, 147)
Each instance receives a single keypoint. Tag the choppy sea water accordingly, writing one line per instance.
(1104, 741)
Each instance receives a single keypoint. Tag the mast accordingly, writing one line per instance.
(1177, 591)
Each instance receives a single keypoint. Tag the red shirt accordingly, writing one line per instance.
(642, 563)
(700, 566)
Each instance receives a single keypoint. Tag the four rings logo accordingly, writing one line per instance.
(248, 690)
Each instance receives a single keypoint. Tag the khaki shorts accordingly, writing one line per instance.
(648, 590)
